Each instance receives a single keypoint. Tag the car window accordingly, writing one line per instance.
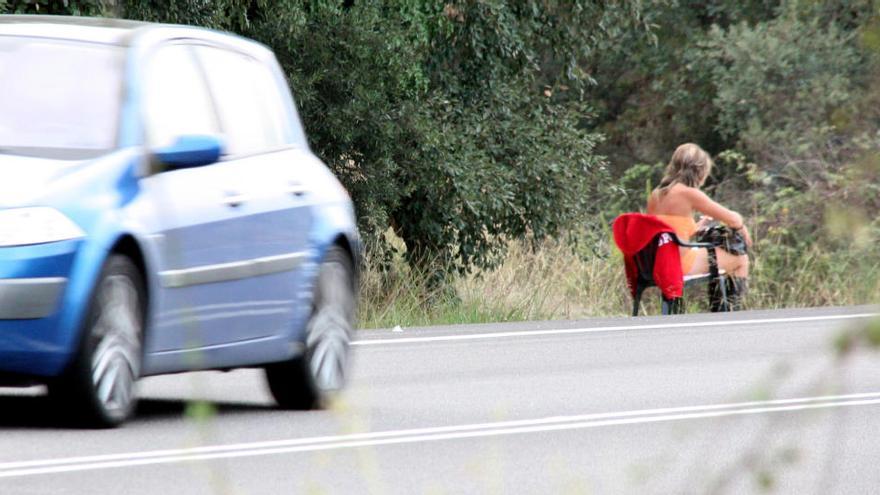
(48, 107)
(176, 99)
(248, 104)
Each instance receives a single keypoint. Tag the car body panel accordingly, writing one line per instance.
(263, 253)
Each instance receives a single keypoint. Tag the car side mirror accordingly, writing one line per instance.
(191, 150)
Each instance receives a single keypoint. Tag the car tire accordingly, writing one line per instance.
(310, 379)
(98, 387)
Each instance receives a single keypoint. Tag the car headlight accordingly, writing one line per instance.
(37, 225)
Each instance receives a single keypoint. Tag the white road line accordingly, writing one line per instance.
(556, 423)
(620, 328)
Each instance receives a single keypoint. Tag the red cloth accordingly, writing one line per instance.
(633, 232)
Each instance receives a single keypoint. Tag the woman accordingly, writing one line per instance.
(675, 201)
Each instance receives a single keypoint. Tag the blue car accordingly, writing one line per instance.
(161, 212)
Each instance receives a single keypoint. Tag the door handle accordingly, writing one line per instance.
(233, 199)
(296, 188)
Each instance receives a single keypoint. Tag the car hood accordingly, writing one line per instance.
(22, 178)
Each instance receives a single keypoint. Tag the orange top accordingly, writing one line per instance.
(684, 228)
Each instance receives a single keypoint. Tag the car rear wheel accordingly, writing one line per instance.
(99, 384)
(307, 381)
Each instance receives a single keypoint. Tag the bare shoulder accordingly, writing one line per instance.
(679, 188)
(673, 201)
(690, 194)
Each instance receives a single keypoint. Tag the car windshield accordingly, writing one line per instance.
(58, 98)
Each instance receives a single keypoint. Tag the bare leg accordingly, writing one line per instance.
(737, 269)
(736, 265)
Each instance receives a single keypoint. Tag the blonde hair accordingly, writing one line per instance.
(690, 165)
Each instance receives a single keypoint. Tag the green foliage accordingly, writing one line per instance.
(656, 92)
(512, 166)
(506, 153)
(633, 188)
(197, 13)
(54, 7)
(779, 83)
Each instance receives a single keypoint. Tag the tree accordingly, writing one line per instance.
(512, 156)
(55, 7)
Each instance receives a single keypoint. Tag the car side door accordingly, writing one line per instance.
(276, 196)
(202, 272)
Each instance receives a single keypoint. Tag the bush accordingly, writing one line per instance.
(779, 86)
(53, 7)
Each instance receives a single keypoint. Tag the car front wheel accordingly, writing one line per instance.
(307, 381)
(99, 384)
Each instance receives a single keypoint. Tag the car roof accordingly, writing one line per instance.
(92, 29)
(114, 31)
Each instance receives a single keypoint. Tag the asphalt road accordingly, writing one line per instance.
(695, 404)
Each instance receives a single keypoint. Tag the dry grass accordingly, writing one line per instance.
(551, 283)
(555, 282)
